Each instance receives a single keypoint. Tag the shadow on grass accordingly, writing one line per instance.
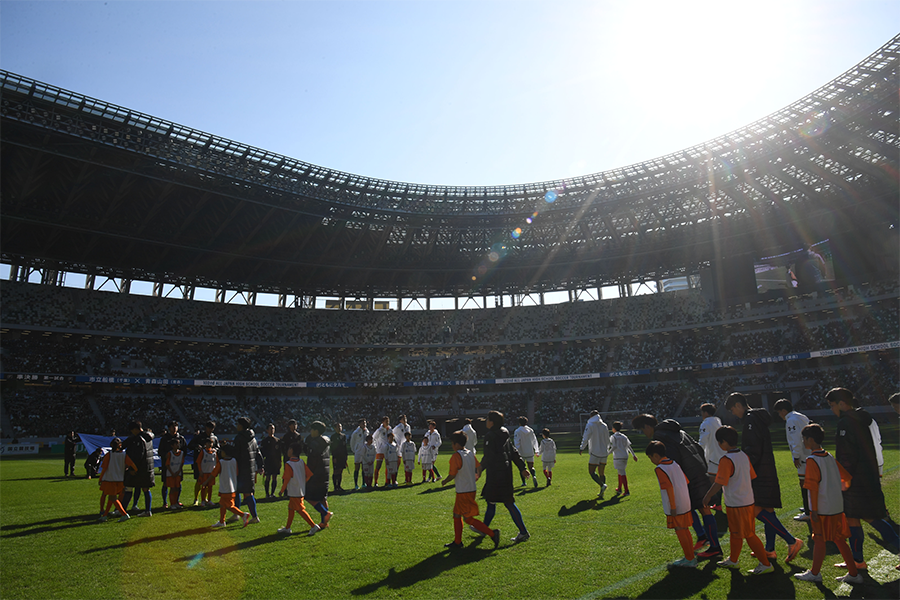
(50, 525)
(583, 505)
(154, 538)
(426, 569)
(437, 490)
(687, 582)
(56, 478)
(529, 490)
(274, 537)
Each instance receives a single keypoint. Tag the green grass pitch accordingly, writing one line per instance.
(389, 544)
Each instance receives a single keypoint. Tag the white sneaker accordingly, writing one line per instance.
(761, 569)
(801, 517)
(848, 578)
(218, 525)
(808, 576)
(314, 530)
(727, 563)
(146, 513)
(254, 520)
(521, 537)
(602, 491)
(245, 518)
(285, 530)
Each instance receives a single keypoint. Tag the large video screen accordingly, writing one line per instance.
(800, 271)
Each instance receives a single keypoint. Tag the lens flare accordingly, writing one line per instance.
(550, 197)
(516, 233)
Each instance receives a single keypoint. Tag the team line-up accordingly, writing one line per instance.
(839, 491)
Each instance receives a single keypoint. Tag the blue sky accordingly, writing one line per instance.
(449, 92)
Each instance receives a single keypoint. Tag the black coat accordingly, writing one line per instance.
(498, 457)
(249, 460)
(682, 449)
(318, 459)
(139, 448)
(756, 442)
(71, 443)
(855, 450)
(339, 451)
(271, 451)
(286, 440)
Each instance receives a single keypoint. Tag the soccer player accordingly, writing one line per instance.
(206, 464)
(288, 439)
(675, 500)
(548, 455)
(198, 443)
(526, 444)
(139, 447)
(621, 448)
(391, 460)
(465, 471)
(270, 446)
(112, 476)
(172, 467)
(596, 440)
(825, 478)
(250, 462)
(498, 457)
(756, 443)
(339, 456)
(367, 455)
(408, 453)
(296, 474)
(228, 471)
(734, 476)
(707, 439)
(318, 459)
(357, 442)
(379, 437)
(426, 460)
(434, 441)
(681, 448)
(165, 446)
(855, 451)
(471, 436)
(400, 430)
(794, 423)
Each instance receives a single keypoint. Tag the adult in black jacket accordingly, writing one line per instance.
(854, 449)
(249, 463)
(498, 457)
(139, 448)
(165, 445)
(70, 445)
(756, 443)
(270, 446)
(318, 459)
(688, 454)
(339, 456)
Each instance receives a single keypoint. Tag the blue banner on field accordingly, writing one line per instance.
(104, 442)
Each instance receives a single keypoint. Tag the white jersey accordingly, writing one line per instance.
(115, 467)
(208, 461)
(296, 487)
(711, 449)
(379, 438)
(368, 454)
(738, 492)
(434, 441)
(392, 454)
(408, 451)
(228, 476)
(471, 437)
(526, 442)
(548, 450)
(465, 478)
(357, 439)
(794, 423)
(670, 469)
(176, 461)
(596, 437)
(426, 455)
(621, 445)
(831, 500)
(400, 431)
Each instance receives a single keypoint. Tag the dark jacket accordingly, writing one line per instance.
(339, 450)
(249, 460)
(756, 442)
(855, 450)
(139, 448)
(689, 455)
(498, 457)
(318, 459)
(270, 446)
(165, 444)
(71, 443)
(286, 440)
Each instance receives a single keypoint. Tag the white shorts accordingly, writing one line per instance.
(427, 466)
(548, 465)
(620, 464)
(597, 460)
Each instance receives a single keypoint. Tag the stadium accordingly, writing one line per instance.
(763, 261)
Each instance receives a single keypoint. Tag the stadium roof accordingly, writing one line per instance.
(96, 188)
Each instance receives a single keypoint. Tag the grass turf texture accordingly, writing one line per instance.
(390, 544)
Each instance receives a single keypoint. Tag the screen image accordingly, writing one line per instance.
(799, 271)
